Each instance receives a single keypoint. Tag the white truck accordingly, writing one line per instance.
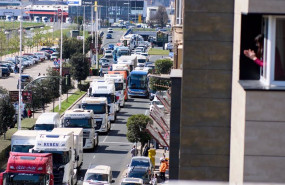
(104, 88)
(78, 143)
(79, 118)
(99, 105)
(61, 146)
(120, 87)
(48, 121)
(130, 60)
(23, 140)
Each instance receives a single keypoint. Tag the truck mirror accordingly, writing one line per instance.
(77, 158)
(113, 181)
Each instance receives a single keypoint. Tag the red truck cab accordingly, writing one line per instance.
(28, 168)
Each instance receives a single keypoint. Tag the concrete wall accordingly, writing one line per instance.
(264, 159)
(206, 90)
(263, 6)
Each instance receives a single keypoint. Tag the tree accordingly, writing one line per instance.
(79, 67)
(78, 20)
(161, 16)
(7, 111)
(91, 45)
(71, 46)
(163, 66)
(136, 129)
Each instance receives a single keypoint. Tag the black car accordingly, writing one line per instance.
(140, 172)
(5, 71)
(7, 66)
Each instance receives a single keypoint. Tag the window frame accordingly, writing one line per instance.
(178, 12)
(269, 52)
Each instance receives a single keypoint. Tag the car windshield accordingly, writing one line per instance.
(119, 86)
(96, 177)
(108, 51)
(77, 122)
(47, 127)
(137, 174)
(97, 108)
(22, 148)
(25, 178)
(140, 162)
(141, 60)
(138, 82)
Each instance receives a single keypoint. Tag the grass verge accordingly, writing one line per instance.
(155, 51)
(66, 104)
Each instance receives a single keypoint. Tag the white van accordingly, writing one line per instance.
(48, 121)
(100, 174)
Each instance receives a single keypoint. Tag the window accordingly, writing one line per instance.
(178, 11)
(273, 72)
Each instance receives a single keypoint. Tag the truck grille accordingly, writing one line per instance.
(58, 176)
(86, 134)
(98, 124)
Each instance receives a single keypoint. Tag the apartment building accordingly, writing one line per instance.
(231, 121)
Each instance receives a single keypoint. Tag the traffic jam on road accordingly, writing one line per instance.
(59, 149)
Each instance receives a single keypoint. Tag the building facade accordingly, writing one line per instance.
(113, 10)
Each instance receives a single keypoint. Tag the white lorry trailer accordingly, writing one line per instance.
(61, 146)
(130, 60)
(104, 88)
(23, 140)
(99, 105)
(78, 143)
(120, 87)
(79, 118)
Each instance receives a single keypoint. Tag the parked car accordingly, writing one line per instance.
(103, 60)
(41, 54)
(108, 54)
(132, 181)
(109, 36)
(140, 161)
(110, 30)
(5, 71)
(55, 55)
(7, 66)
(141, 172)
(49, 50)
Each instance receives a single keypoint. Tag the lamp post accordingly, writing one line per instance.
(83, 30)
(20, 74)
(60, 63)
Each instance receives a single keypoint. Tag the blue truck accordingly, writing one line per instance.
(138, 84)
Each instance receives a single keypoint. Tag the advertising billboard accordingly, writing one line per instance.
(74, 2)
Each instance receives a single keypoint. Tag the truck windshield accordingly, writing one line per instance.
(82, 123)
(119, 86)
(123, 52)
(109, 97)
(47, 127)
(138, 82)
(97, 108)
(141, 61)
(25, 178)
(59, 157)
(96, 177)
(22, 148)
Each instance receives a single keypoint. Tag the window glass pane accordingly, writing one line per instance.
(265, 33)
(279, 72)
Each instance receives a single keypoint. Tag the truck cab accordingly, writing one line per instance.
(61, 146)
(120, 87)
(80, 118)
(28, 168)
(23, 140)
(99, 105)
(103, 88)
(48, 121)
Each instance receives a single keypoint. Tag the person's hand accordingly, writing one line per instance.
(250, 54)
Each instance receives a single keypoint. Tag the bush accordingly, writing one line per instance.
(83, 87)
(94, 72)
(163, 66)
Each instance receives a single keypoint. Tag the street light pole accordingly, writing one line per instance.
(83, 30)
(60, 62)
(96, 36)
(20, 74)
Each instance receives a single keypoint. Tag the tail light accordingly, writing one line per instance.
(117, 98)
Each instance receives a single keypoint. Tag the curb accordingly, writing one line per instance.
(74, 103)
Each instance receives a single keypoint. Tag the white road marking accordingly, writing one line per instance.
(105, 139)
(94, 157)
(118, 143)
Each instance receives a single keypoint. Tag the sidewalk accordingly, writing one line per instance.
(159, 154)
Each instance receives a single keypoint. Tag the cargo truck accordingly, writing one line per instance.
(61, 146)
(28, 168)
(103, 88)
(23, 140)
(130, 60)
(99, 105)
(120, 87)
(80, 118)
